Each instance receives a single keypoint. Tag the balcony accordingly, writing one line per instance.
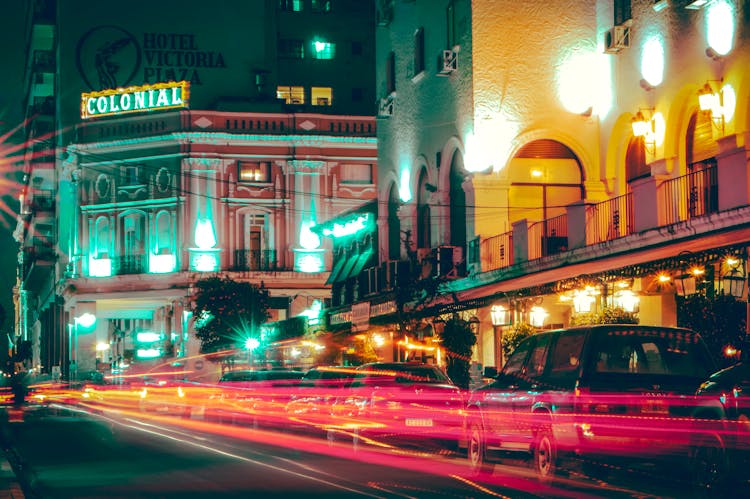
(257, 260)
(130, 264)
(661, 204)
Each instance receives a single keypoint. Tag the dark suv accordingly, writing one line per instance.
(592, 391)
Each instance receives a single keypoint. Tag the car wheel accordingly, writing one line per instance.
(708, 467)
(477, 451)
(545, 455)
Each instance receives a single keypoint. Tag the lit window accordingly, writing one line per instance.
(323, 50)
(321, 96)
(291, 5)
(356, 174)
(102, 238)
(163, 234)
(291, 95)
(254, 171)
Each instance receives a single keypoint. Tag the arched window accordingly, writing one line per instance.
(457, 204)
(394, 225)
(424, 239)
(102, 234)
(635, 160)
(163, 234)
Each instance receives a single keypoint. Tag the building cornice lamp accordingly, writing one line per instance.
(711, 102)
(733, 277)
(500, 315)
(643, 126)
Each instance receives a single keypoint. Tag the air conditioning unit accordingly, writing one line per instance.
(616, 39)
(449, 62)
(396, 271)
(449, 260)
(385, 107)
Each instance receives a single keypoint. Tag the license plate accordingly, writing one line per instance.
(418, 422)
(655, 407)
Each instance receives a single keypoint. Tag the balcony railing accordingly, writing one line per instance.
(129, 264)
(255, 260)
(689, 196)
(610, 219)
(497, 251)
(548, 237)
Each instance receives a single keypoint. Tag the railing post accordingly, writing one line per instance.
(732, 172)
(576, 213)
(647, 207)
(520, 241)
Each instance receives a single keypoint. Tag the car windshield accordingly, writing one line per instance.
(655, 351)
(403, 373)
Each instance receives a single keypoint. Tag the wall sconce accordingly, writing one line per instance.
(733, 276)
(582, 301)
(537, 316)
(643, 126)
(686, 284)
(500, 315)
(711, 102)
(626, 300)
(474, 325)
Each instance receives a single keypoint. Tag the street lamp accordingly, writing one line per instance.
(733, 277)
(500, 316)
(250, 345)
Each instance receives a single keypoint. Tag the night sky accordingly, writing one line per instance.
(12, 43)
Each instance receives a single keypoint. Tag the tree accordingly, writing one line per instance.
(511, 339)
(458, 340)
(719, 319)
(227, 313)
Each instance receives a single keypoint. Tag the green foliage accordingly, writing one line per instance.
(512, 338)
(608, 315)
(719, 319)
(228, 312)
(458, 340)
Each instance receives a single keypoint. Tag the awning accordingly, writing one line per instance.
(337, 268)
(360, 263)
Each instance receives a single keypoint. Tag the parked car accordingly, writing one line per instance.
(253, 396)
(309, 406)
(405, 402)
(594, 392)
(723, 459)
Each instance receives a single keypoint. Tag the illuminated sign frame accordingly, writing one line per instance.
(135, 99)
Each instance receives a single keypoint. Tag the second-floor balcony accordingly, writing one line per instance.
(261, 260)
(130, 264)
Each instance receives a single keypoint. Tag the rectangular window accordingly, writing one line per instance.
(320, 5)
(356, 48)
(418, 51)
(254, 171)
(291, 5)
(321, 96)
(291, 49)
(323, 50)
(131, 175)
(356, 174)
(390, 74)
(291, 95)
(450, 25)
(622, 11)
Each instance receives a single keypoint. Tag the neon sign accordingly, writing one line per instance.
(361, 222)
(135, 99)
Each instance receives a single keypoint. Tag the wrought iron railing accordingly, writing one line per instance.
(689, 196)
(548, 237)
(497, 251)
(610, 219)
(255, 260)
(129, 264)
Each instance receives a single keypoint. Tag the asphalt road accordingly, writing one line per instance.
(67, 453)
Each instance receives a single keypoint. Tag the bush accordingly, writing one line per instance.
(514, 337)
(608, 315)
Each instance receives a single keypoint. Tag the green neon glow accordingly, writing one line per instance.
(100, 267)
(308, 261)
(404, 190)
(362, 222)
(307, 238)
(86, 320)
(313, 313)
(205, 261)
(205, 237)
(148, 353)
(147, 337)
(251, 344)
(161, 264)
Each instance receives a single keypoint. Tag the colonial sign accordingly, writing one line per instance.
(135, 99)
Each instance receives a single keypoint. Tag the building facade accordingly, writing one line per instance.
(174, 155)
(561, 160)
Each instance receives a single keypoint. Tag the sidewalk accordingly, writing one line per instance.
(10, 488)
